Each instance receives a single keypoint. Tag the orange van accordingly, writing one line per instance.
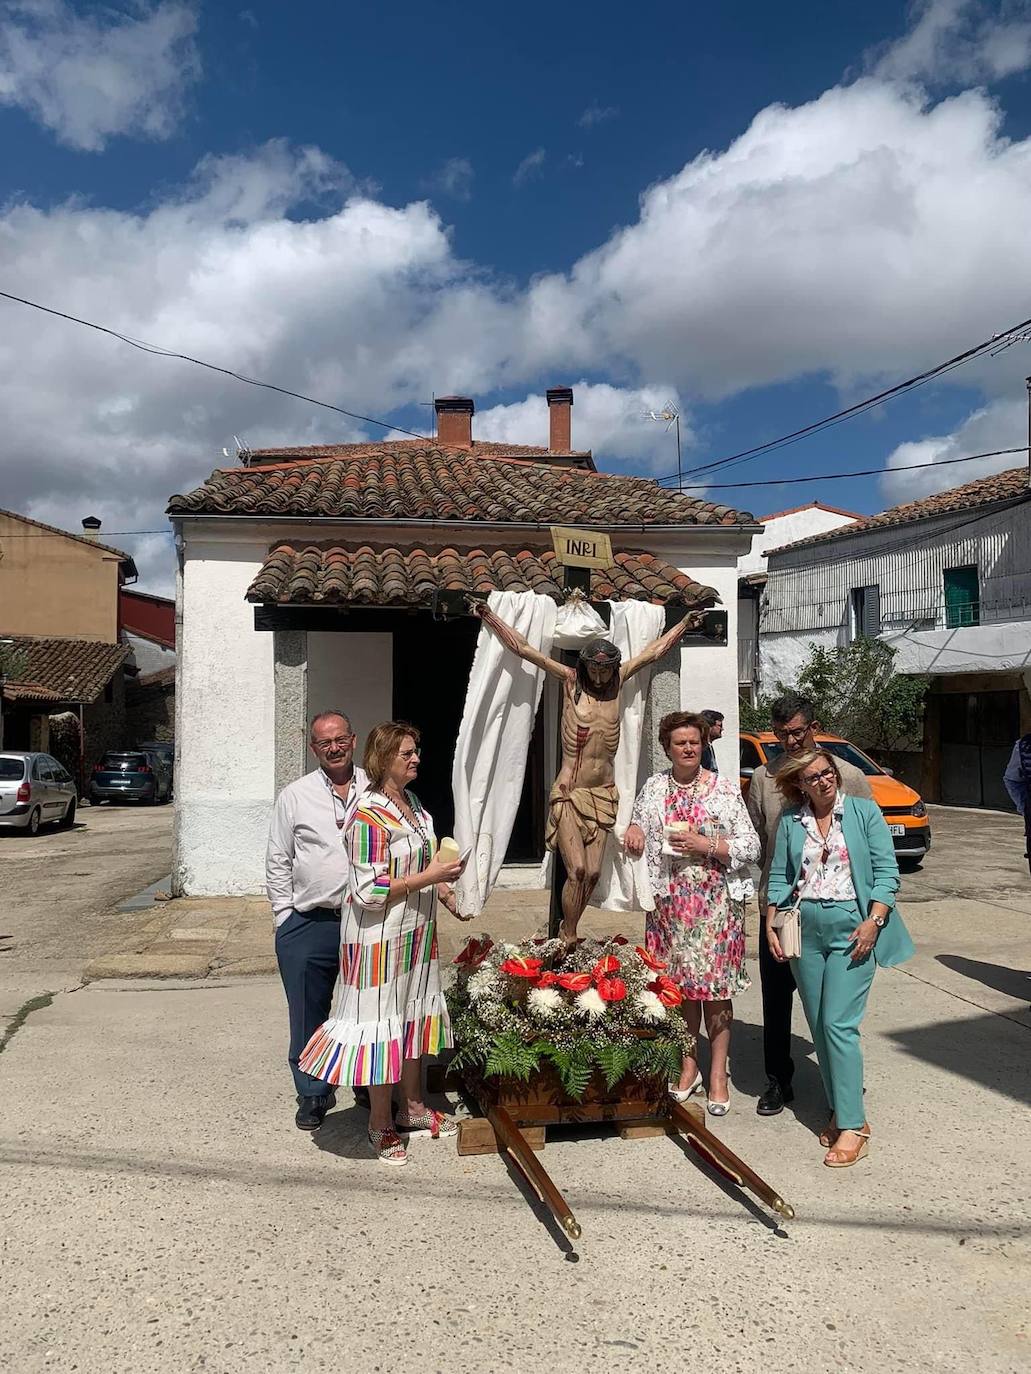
(901, 807)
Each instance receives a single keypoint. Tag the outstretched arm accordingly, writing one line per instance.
(659, 648)
(514, 641)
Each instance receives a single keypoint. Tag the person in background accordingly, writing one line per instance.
(794, 724)
(695, 831)
(306, 879)
(715, 719)
(835, 859)
(1017, 781)
(390, 1011)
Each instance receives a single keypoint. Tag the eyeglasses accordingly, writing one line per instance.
(814, 778)
(410, 754)
(785, 735)
(323, 746)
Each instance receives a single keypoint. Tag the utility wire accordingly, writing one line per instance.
(211, 367)
(859, 472)
(746, 455)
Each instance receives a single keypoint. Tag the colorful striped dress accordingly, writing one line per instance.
(389, 1006)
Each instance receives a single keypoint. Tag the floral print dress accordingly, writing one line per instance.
(697, 927)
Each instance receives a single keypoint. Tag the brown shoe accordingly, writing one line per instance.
(829, 1134)
(841, 1157)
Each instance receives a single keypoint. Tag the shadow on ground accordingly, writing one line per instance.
(1011, 982)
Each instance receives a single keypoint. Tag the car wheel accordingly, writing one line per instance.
(68, 819)
(34, 820)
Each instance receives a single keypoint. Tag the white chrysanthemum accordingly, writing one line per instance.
(480, 982)
(544, 1001)
(591, 1003)
(649, 1006)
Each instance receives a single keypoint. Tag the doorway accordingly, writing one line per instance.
(977, 734)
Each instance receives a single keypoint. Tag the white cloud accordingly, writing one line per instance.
(609, 420)
(453, 178)
(915, 469)
(88, 78)
(596, 114)
(960, 40)
(531, 167)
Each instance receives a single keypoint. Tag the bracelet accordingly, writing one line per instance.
(713, 842)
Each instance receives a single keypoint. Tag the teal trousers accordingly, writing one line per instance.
(834, 989)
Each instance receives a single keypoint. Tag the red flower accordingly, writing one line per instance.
(547, 979)
(667, 991)
(611, 989)
(619, 940)
(574, 982)
(522, 968)
(474, 953)
(607, 964)
(650, 961)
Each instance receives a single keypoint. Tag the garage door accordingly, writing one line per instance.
(977, 734)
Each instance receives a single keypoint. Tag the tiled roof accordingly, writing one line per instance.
(63, 669)
(478, 448)
(986, 491)
(388, 576)
(130, 566)
(392, 482)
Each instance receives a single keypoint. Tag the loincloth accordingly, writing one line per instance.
(594, 810)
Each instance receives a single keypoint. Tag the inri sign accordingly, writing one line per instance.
(582, 548)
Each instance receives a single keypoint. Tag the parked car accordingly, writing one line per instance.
(130, 775)
(35, 790)
(162, 747)
(901, 807)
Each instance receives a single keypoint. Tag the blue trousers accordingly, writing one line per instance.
(834, 989)
(308, 953)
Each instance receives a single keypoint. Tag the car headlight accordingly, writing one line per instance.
(920, 809)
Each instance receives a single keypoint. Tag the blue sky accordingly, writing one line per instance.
(764, 212)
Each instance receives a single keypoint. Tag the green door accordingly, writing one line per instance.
(962, 598)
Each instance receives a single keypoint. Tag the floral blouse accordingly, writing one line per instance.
(829, 881)
(725, 808)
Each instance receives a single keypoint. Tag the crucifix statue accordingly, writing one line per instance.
(584, 799)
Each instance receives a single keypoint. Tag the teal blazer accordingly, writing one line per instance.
(875, 872)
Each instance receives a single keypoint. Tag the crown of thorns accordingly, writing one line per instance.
(601, 653)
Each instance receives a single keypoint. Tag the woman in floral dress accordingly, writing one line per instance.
(389, 1010)
(697, 926)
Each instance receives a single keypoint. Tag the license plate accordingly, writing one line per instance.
(897, 829)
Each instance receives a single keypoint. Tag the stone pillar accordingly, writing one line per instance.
(663, 697)
(290, 648)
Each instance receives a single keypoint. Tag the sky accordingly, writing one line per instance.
(761, 214)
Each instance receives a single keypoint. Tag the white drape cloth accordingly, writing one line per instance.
(493, 740)
(623, 884)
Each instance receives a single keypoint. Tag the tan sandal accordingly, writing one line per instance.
(846, 1158)
(389, 1148)
(436, 1123)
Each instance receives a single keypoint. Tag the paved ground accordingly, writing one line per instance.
(57, 892)
(162, 1214)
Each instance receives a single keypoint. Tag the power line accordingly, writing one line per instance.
(745, 455)
(859, 472)
(211, 367)
(66, 534)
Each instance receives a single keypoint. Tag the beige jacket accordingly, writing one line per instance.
(766, 805)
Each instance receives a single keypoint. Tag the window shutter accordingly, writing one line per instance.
(871, 626)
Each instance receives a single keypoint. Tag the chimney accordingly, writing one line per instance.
(454, 421)
(560, 406)
(90, 527)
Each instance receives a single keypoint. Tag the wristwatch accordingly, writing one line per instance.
(879, 921)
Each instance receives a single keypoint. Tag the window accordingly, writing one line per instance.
(866, 612)
(750, 759)
(962, 598)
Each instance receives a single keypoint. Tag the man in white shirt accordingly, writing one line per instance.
(306, 880)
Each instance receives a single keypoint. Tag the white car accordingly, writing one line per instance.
(35, 789)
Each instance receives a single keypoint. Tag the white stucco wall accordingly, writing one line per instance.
(787, 529)
(224, 721)
(782, 655)
(1001, 648)
(353, 672)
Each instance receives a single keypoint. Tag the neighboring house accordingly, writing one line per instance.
(947, 582)
(782, 527)
(314, 577)
(59, 610)
(148, 626)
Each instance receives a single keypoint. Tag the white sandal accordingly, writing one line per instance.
(389, 1148)
(682, 1094)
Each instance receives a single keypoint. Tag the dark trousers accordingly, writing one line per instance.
(308, 953)
(778, 988)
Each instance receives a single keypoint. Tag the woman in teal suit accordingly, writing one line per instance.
(834, 856)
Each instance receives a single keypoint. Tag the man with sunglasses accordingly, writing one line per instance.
(794, 724)
(306, 878)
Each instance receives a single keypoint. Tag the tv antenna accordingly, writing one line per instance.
(669, 415)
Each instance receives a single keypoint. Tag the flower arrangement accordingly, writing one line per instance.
(606, 1006)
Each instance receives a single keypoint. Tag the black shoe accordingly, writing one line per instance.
(773, 1099)
(311, 1111)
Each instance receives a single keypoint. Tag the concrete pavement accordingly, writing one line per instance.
(161, 1212)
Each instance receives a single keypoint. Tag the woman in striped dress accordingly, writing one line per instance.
(389, 1008)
